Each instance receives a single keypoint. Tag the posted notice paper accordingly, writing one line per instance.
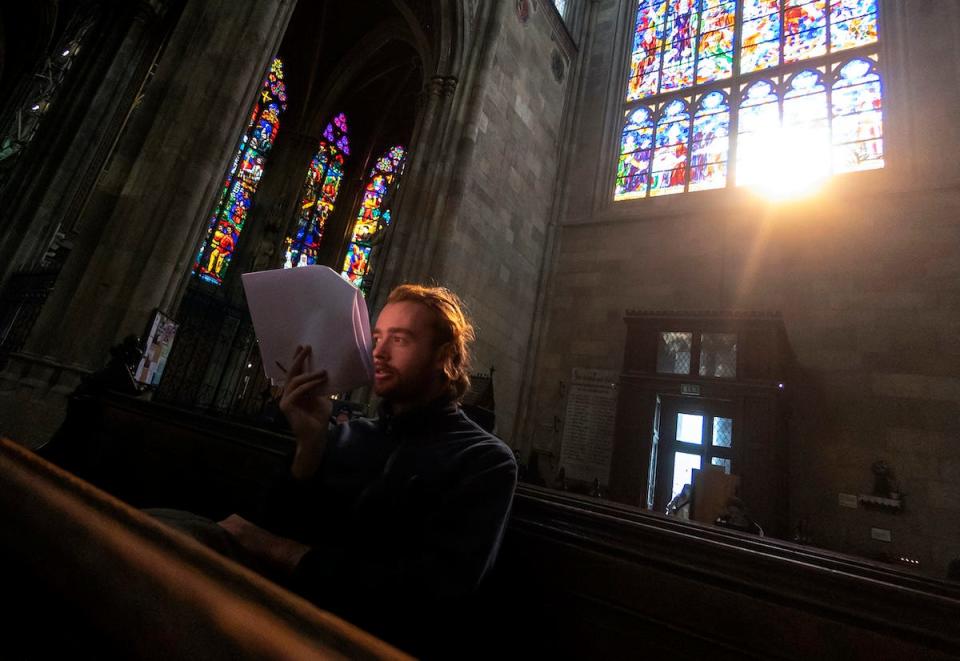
(311, 305)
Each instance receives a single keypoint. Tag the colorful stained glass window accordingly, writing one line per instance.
(670, 149)
(700, 67)
(715, 45)
(319, 194)
(760, 35)
(647, 41)
(804, 30)
(857, 119)
(679, 45)
(372, 217)
(710, 142)
(852, 23)
(242, 179)
(636, 147)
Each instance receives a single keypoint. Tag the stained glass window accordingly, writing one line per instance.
(635, 149)
(711, 126)
(679, 38)
(372, 217)
(760, 35)
(670, 149)
(40, 93)
(804, 29)
(242, 178)
(758, 78)
(857, 121)
(319, 194)
(759, 117)
(715, 47)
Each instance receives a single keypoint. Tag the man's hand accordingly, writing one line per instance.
(275, 551)
(308, 413)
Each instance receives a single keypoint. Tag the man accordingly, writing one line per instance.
(391, 522)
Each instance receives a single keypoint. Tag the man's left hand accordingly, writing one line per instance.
(278, 552)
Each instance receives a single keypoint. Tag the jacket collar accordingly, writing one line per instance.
(417, 419)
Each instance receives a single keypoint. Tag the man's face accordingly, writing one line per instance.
(406, 360)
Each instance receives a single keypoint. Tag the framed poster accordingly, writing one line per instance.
(159, 341)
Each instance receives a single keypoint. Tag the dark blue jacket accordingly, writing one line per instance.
(404, 516)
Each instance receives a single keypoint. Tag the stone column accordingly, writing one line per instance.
(142, 232)
(53, 184)
(205, 85)
(414, 200)
(446, 148)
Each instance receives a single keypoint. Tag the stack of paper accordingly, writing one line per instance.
(311, 305)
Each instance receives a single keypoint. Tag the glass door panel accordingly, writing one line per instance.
(683, 465)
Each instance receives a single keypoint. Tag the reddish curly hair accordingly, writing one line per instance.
(454, 332)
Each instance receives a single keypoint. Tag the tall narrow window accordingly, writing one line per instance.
(857, 123)
(710, 143)
(636, 146)
(319, 194)
(792, 87)
(670, 150)
(41, 93)
(242, 179)
(372, 218)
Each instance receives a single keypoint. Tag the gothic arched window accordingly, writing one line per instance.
(372, 217)
(242, 179)
(319, 194)
(724, 92)
(40, 93)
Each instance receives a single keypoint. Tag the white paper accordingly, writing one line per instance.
(311, 305)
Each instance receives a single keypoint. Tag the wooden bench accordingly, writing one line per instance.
(87, 576)
(587, 578)
(154, 455)
(576, 577)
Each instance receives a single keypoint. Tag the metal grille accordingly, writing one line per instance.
(215, 365)
(20, 305)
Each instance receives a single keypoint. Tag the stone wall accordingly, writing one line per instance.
(491, 249)
(139, 231)
(866, 275)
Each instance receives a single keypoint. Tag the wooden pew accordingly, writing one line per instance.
(580, 577)
(86, 576)
(154, 455)
(593, 579)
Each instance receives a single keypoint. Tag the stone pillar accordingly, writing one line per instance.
(141, 231)
(416, 198)
(443, 157)
(205, 84)
(61, 166)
